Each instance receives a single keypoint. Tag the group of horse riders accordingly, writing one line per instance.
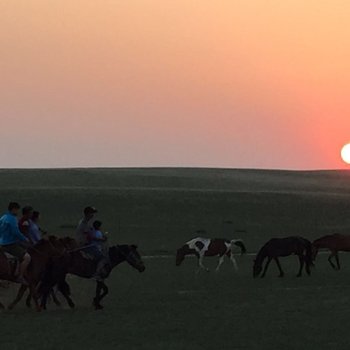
(16, 235)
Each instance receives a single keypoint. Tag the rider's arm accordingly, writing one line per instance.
(15, 230)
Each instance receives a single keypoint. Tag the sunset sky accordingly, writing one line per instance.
(252, 84)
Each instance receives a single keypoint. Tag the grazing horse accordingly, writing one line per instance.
(78, 263)
(201, 247)
(281, 247)
(335, 243)
(48, 249)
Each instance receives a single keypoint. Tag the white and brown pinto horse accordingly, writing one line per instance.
(201, 247)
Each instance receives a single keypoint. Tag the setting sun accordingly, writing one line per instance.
(345, 153)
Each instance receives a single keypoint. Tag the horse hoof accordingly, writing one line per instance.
(280, 276)
(10, 307)
(71, 305)
(98, 307)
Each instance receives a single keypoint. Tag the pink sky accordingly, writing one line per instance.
(258, 84)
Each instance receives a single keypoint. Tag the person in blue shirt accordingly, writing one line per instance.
(97, 242)
(12, 241)
(97, 239)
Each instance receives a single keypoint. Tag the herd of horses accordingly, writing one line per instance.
(272, 250)
(54, 258)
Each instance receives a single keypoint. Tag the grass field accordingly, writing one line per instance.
(173, 308)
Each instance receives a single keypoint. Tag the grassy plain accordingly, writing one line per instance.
(173, 308)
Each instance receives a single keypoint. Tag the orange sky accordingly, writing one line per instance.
(174, 83)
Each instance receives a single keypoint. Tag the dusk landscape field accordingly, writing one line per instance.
(169, 307)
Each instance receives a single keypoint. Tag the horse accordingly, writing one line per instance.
(78, 263)
(40, 254)
(335, 243)
(47, 249)
(201, 247)
(281, 247)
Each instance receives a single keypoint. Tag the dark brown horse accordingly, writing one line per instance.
(40, 254)
(334, 243)
(281, 247)
(78, 263)
(46, 249)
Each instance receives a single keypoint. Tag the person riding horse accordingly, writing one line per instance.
(84, 228)
(89, 239)
(12, 241)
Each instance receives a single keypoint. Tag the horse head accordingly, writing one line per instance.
(239, 243)
(180, 255)
(314, 252)
(129, 254)
(257, 268)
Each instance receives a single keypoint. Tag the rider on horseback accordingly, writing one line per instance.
(84, 228)
(12, 241)
(89, 239)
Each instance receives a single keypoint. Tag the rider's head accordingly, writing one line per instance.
(27, 211)
(35, 216)
(14, 208)
(97, 225)
(89, 212)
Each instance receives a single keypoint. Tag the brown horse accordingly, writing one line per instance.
(78, 263)
(334, 243)
(43, 251)
(281, 247)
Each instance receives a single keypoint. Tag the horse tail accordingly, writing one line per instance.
(239, 243)
(308, 253)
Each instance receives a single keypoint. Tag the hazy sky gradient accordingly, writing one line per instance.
(174, 83)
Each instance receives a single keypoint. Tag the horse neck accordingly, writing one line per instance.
(116, 259)
(39, 252)
(186, 250)
(320, 243)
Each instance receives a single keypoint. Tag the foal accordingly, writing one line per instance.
(281, 247)
(201, 247)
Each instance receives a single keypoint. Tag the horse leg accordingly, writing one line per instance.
(64, 288)
(266, 267)
(221, 261)
(54, 297)
(19, 296)
(29, 300)
(301, 261)
(234, 262)
(200, 263)
(32, 288)
(337, 260)
(96, 301)
(279, 267)
(104, 293)
(330, 260)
